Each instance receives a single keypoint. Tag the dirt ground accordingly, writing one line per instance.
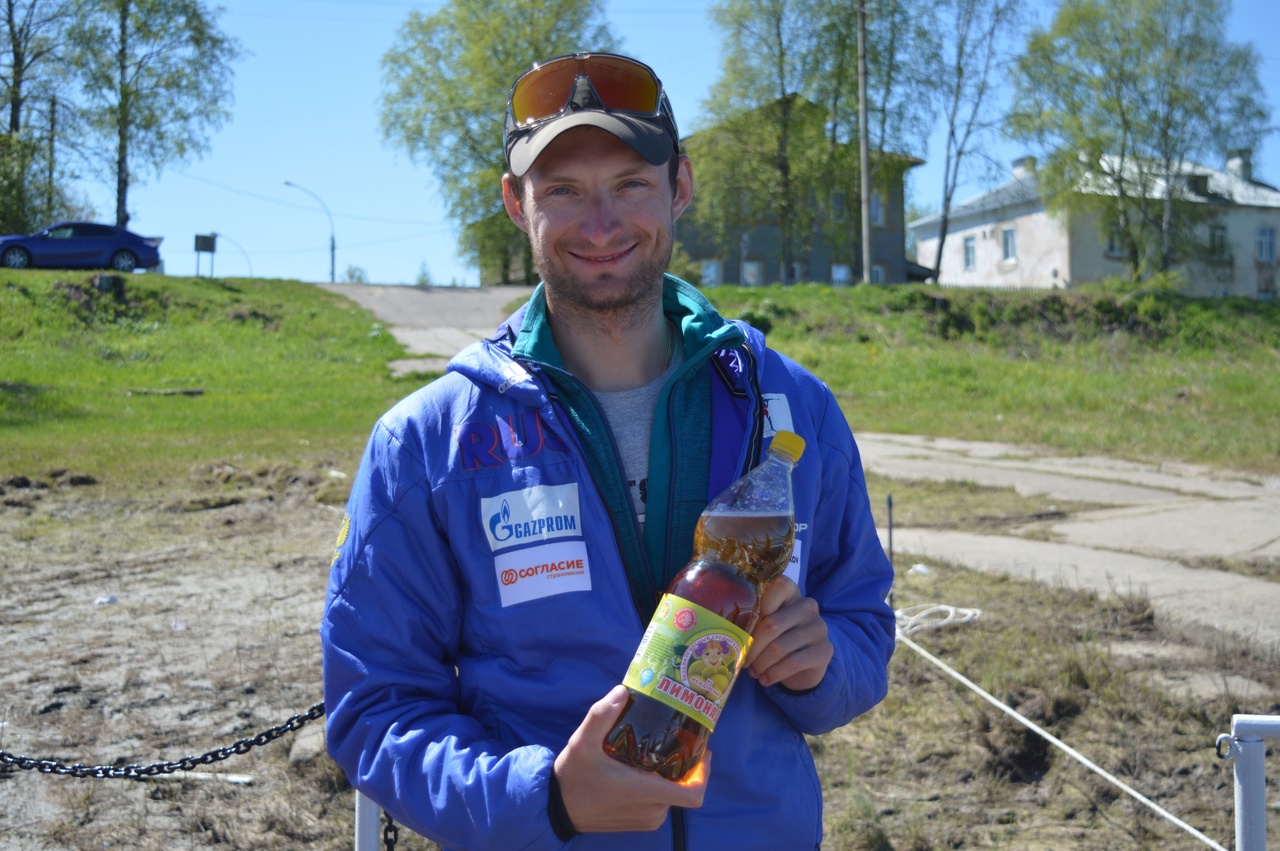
(141, 631)
(144, 630)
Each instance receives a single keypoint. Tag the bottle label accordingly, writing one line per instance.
(688, 659)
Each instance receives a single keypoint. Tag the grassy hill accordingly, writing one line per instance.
(140, 384)
(143, 383)
(1135, 376)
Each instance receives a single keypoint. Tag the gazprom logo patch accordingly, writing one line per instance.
(541, 513)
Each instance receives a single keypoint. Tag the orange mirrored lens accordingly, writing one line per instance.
(619, 83)
(622, 85)
(544, 91)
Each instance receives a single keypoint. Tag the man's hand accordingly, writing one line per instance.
(603, 795)
(789, 644)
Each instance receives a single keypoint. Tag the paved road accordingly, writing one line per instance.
(433, 323)
(1159, 519)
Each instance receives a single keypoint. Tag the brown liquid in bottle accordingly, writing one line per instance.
(735, 555)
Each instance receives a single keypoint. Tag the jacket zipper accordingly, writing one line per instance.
(548, 388)
(755, 438)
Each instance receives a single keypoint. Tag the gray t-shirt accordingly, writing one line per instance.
(630, 415)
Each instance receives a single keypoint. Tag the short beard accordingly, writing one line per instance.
(643, 288)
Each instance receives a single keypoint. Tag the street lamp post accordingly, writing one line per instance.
(332, 243)
(237, 245)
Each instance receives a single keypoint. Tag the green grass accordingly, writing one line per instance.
(182, 372)
(1155, 377)
(287, 373)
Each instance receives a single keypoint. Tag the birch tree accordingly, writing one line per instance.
(977, 31)
(445, 85)
(156, 81)
(1121, 95)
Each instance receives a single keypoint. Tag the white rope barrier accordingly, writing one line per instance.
(929, 616)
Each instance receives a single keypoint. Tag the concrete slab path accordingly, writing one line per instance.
(1162, 520)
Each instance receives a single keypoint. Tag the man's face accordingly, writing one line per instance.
(600, 220)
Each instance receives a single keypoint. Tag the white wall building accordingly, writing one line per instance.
(1006, 238)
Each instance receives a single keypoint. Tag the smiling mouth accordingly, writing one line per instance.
(603, 258)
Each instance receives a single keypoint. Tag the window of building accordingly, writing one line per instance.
(712, 272)
(970, 253)
(1008, 245)
(1115, 243)
(1266, 245)
(877, 274)
(877, 209)
(752, 273)
(841, 274)
(1218, 242)
(799, 271)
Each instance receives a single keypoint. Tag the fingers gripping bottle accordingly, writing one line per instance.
(696, 642)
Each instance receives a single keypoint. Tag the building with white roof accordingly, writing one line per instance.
(1005, 238)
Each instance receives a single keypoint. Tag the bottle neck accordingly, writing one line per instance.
(781, 457)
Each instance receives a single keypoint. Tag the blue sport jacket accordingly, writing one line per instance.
(490, 583)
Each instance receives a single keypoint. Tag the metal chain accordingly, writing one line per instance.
(390, 832)
(187, 763)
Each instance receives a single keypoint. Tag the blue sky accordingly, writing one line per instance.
(306, 111)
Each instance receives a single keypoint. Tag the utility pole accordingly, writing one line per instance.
(53, 130)
(864, 158)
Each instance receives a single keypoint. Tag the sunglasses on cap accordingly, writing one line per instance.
(618, 83)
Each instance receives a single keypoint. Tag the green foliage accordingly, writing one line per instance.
(34, 182)
(355, 275)
(446, 81)
(149, 380)
(761, 166)
(777, 143)
(1141, 374)
(16, 157)
(762, 155)
(1120, 94)
(684, 266)
(31, 198)
(156, 77)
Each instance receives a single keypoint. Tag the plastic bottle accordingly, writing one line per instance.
(699, 636)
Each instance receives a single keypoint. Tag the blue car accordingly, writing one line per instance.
(80, 245)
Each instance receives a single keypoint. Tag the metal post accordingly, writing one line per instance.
(890, 502)
(1248, 751)
(333, 244)
(368, 823)
(892, 566)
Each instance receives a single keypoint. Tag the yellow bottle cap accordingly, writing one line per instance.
(789, 444)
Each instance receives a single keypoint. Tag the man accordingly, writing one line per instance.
(514, 523)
